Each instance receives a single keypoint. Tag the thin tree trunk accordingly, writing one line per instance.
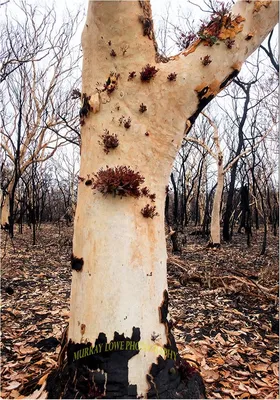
(5, 207)
(166, 207)
(176, 201)
(229, 204)
(197, 208)
(33, 207)
(215, 217)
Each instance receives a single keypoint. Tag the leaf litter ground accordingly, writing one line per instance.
(223, 304)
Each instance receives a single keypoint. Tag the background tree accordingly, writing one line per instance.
(218, 155)
(37, 114)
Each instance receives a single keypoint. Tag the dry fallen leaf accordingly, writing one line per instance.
(260, 383)
(14, 394)
(217, 360)
(275, 369)
(233, 333)
(224, 329)
(252, 391)
(225, 384)
(209, 375)
(260, 367)
(27, 350)
(13, 385)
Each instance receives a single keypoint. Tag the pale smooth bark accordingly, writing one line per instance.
(123, 276)
(6, 205)
(217, 154)
(215, 216)
(4, 210)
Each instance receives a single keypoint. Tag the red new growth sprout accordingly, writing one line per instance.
(120, 181)
(149, 211)
(172, 76)
(142, 108)
(109, 141)
(131, 75)
(146, 193)
(206, 60)
(185, 40)
(148, 72)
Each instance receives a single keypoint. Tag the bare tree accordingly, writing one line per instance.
(37, 100)
(249, 120)
(66, 167)
(218, 156)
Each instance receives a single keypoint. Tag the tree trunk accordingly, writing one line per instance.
(7, 211)
(229, 204)
(197, 202)
(33, 203)
(215, 216)
(119, 301)
(176, 201)
(166, 207)
(183, 196)
(5, 207)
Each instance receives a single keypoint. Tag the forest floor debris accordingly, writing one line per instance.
(223, 303)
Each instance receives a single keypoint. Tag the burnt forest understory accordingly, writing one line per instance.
(223, 304)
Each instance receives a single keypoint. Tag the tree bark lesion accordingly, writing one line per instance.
(171, 378)
(96, 371)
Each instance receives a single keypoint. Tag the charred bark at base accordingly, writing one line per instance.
(211, 245)
(102, 371)
(173, 379)
(245, 213)
(95, 371)
(176, 245)
(166, 208)
(177, 380)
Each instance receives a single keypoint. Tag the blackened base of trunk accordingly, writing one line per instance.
(176, 246)
(168, 380)
(101, 370)
(211, 245)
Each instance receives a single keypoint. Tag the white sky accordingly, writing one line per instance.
(174, 9)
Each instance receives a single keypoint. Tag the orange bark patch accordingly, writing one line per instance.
(83, 329)
(259, 4)
(205, 90)
(237, 65)
(229, 31)
(214, 88)
(200, 87)
(191, 48)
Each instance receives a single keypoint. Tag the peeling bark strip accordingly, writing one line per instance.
(171, 379)
(103, 373)
(77, 263)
